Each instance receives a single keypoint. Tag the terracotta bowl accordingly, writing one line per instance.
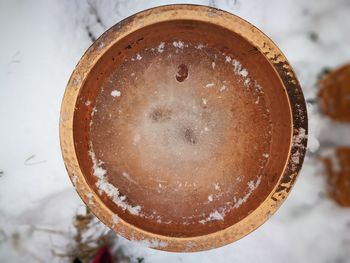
(183, 127)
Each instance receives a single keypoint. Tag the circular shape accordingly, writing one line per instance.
(183, 127)
(185, 145)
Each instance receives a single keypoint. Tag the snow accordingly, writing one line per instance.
(178, 44)
(238, 69)
(210, 85)
(251, 187)
(213, 216)
(219, 214)
(161, 47)
(297, 143)
(138, 56)
(109, 189)
(200, 46)
(150, 243)
(115, 93)
(42, 41)
(265, 155)
(99, 172)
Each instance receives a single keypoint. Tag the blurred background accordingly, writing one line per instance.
(42, 219)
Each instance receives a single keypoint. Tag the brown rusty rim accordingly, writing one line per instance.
(288, 80)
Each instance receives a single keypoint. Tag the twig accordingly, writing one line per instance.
(48, 230)
(29, 163)
(97, 16)
(90, 34)
(311, 101)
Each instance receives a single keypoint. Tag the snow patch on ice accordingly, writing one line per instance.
(161, 47)
(251, 187)
(213, 216)
(200, 46)
(110, 190)
(238, 69)
(179, 44)
(115, 93)
(138, 56)
(210, 85)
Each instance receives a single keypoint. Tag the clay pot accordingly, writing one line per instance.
(183, 127)
(334, 94)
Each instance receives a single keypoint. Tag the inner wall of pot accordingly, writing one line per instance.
(182, 128)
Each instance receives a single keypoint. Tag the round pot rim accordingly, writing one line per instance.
(283, 70)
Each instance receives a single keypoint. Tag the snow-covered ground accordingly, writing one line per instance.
(40, 45)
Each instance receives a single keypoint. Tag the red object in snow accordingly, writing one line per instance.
(103, 256)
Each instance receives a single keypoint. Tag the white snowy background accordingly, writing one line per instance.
(42, 41)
